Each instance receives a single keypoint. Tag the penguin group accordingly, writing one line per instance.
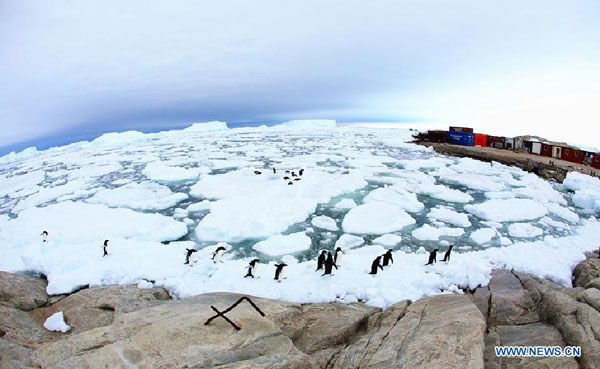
(433, 256)
(327, 261)
(388, 260)
(290, 177)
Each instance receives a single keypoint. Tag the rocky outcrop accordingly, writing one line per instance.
(510, 303)
(587, 273)
(22, 292)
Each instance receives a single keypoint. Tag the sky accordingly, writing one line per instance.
(72, 70)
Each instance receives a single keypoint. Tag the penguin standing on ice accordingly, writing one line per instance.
(44, 235)
(251, 268)
(188, 254)
(321, 260)
(337, 257)
(105, 248)
(387, 258)
(294, 174)
(376, 264)
(216, 256)
(329, 264)
(286, 178)
(432, 257)
(447, 254)
(301, 172)
(279, 272)
(290, 183)
(274, 170)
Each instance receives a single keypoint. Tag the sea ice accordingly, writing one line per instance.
(508, 210)
(450, 216)
(283, 244)
(138, 196)
(524, 230)
(429, 233)
(376, 217)
(388, 240)
(483, 235)
(324, 223)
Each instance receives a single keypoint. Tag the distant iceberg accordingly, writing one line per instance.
(119, 138)
(310, 123)
(25, 154)
(215, 125)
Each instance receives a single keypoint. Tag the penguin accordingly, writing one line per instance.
(301, 172)
(287, 171)
(105, 248)
(251, 267)
(321, 260)
(376, 264)
(216, 256)
(294, 174)
(44, 235)
(290, 183)
(337, 257)
(257, 172)
(297, 179)
(328, 264)
(274, 170)
(279, 271)
(188, 254)
(286, 178)
(447, 254)
(387, 257)
(432, 257)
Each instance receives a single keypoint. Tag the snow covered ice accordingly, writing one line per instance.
(364, 190)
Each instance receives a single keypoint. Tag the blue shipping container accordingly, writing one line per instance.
(460, 138)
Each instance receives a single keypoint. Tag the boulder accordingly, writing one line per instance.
(586, 271)
(14, 356)
(590, 296)
(481, 299)
(443, 331)
(510, 303)
(21, 291)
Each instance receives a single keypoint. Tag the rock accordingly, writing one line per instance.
(510, 303)
(21, 291)
(443, 331)
(490, 360)
(23, 328)
(481, 299)
(591, 296)
(578, 322)
(535, 334)
(586, 271)
(13, 356)
(594, 283)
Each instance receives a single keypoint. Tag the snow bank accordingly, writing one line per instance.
(283, 244)
(376, 217)
(56, 323)
(508, 210)
(206, 127)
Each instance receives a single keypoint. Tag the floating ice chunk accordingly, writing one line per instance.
(142, 196)
(450, 217)
(324, 223)
(474, 181)
(505, 241)
(524, 230)
(345, 204)
(348, 241)
(444, 243)
(120, 138)
(164, 173)
(509, 210)
(499, 195)
(94, 171)
(283, 244)
(206, 127)
(483, 235)
(429, 233)
(310, 123)
(433, 163)
(587, 191)
(397, 196)
(376, 217)
(144, 284)
(441, 192)
(388, 240)
(122, 181)
(199, 206)
(56, 323)
(562, 212)
(50, 194)
(491, 224)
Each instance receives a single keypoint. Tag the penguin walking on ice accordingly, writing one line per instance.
(387, 258)
(105, 248)
(251, 268)
(188, 254)
(432, 257)
(279, 272)
(301, 172)
(257, 172)
(376, 264)
(216, 256)
(321, 260)
(447, 254)
(44, 235)
(337, 257)
(329, 264)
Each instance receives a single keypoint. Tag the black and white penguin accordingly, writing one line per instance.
(301, 171)
(387, 258)
(105, 248)
(321, 260)
(257, 172)
(294, 174)
(286, 178)
(447, 254)
(290, 183)
(329, 263)
(287, 171)
(274, 170)
(337, 257)
(432, 257)
(279, 272)
(216, 256)
(188, 254)
(297, 179)
(376, 264)
(44, 235)
(251, 268)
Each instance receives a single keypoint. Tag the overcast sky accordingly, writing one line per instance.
(75, 68)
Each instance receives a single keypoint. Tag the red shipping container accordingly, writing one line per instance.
(480, 140)
(546, 150)
(572, 155)
(596, 161)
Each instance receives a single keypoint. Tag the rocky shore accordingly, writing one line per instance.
(127, 327)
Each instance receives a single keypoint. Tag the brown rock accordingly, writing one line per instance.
(591, 296)
(21, 291)
(586, 271)
(481, 299)
(510, 303)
